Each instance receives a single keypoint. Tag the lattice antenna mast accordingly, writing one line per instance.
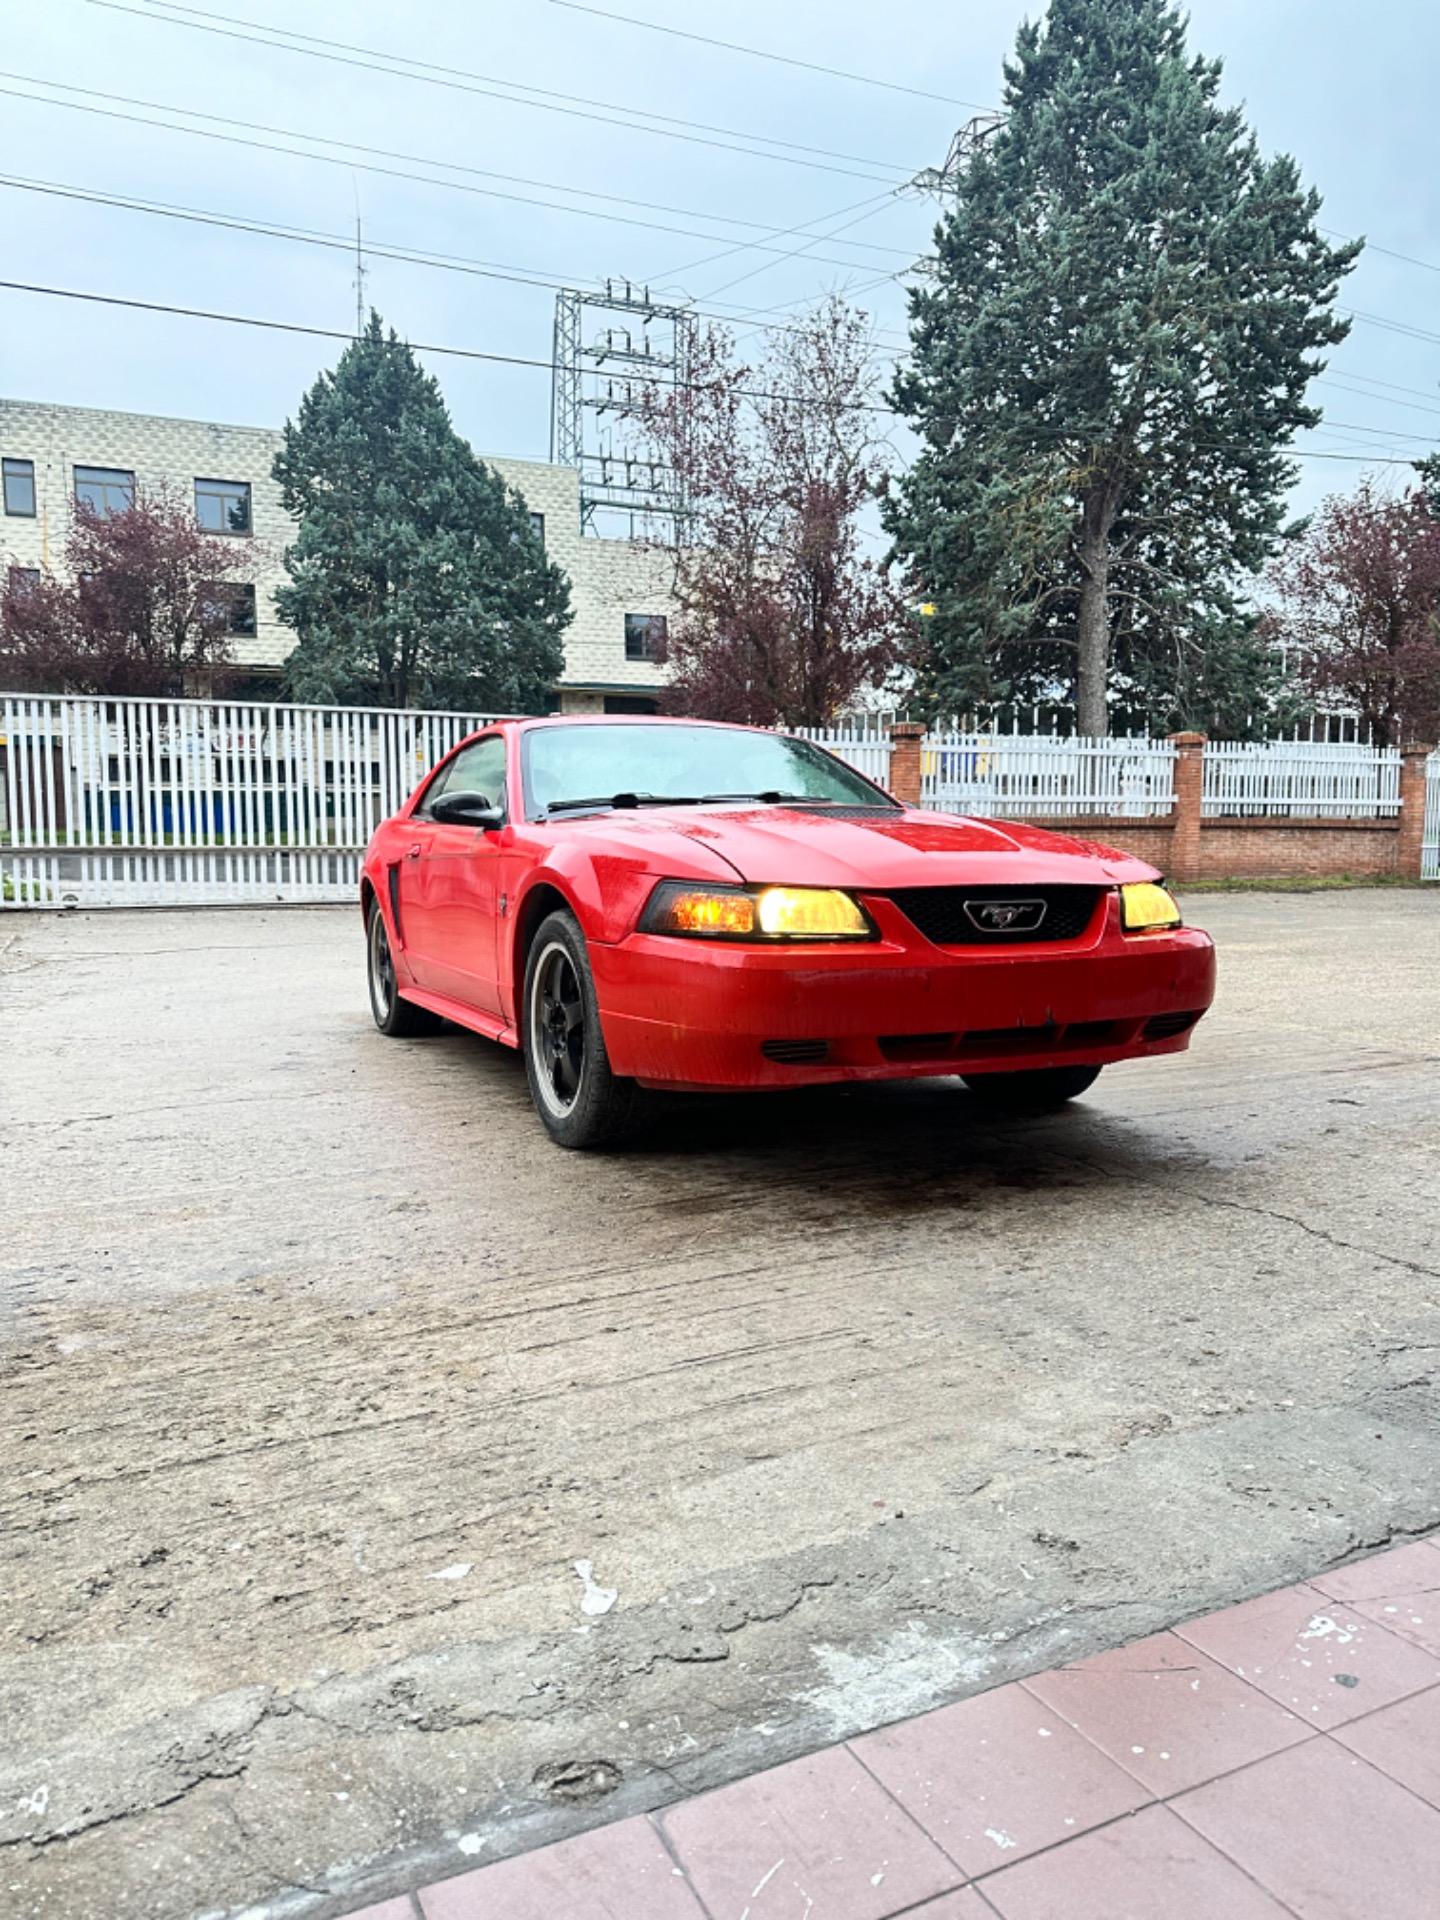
(359, 280)
(360, 269)
(606, 344)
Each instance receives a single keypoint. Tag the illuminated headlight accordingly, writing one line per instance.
(1146, 907)
(754, 913)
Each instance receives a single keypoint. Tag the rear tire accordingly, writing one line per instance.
(582, 1103)
(396, 1018)
(1032, 1090)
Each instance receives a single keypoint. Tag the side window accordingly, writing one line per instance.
(477, 769)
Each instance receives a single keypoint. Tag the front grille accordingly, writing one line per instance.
(918, 1046)
(939, 913)
(795, 1053)
(1080, 1036)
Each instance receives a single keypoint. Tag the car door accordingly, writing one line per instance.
(456, 884)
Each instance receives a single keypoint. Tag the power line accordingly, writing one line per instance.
(593, 213)
(891, 86)
(523, 360)
(761, 53)
(1391, 326)
(310, 236)
(452, 77)
(744, 246)
(431, 73)
(1374, 246)
(1369, 379)
(1360, 393)
(328, 159)
(459, 262)
(456, 79)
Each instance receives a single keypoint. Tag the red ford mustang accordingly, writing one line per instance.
(673, 904)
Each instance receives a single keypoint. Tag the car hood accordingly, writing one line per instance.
(879, 851)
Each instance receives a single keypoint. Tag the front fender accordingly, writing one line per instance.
(604, 885)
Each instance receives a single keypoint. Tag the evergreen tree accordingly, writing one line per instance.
(416, 577)
(1109, 359)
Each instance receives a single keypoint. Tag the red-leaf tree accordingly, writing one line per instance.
(782, 620)
(146, 606)
(1358, 599)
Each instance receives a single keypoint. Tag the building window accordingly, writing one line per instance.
(104, 490)
(537, 527)
(645, 635)
(238, 605)
(22, 579)
(19, 487)
(223, 506)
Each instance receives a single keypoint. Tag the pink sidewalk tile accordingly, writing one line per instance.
(1402, 1570)
(818, 1830)
(1401, 1592)
(1167, 1712)
(1326, 1834)
(615, 1873)
(1324, 1661)
(1138, 1869)
(402, 1909)
(1403, 1741)
(998, 1777)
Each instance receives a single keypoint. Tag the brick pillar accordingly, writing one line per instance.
(906, 739)
(1189, 793)
(1413, 772)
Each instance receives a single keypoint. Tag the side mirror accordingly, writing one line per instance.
(468, 810)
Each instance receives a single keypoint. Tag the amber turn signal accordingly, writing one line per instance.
(1147, 907)
(697, 910)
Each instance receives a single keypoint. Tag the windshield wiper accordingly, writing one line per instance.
(772, 798)
(626, 800)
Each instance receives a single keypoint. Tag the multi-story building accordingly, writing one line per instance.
(52, 456)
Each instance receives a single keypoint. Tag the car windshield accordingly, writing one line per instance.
(674, 762)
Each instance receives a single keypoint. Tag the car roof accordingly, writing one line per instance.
(630, 720)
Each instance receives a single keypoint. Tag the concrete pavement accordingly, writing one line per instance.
(337, 1403)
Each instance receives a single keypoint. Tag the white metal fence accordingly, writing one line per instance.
(1283, 778)
(867, 749)
(117, 803)
(174, 802)
(1012, 775)
(1430, 838)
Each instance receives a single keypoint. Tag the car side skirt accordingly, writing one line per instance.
(489, 1025)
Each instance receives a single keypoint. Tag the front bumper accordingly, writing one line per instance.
(689, 1014)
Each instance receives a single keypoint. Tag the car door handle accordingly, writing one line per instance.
(413, 854)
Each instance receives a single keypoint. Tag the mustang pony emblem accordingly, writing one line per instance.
(1005, 916)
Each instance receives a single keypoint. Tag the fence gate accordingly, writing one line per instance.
(1430, 844)
(128, 803)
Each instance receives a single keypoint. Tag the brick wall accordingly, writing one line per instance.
(609, 578)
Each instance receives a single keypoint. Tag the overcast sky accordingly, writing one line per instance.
(1349, 91)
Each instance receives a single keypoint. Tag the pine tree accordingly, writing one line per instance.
(1109, 359)
(416, 577)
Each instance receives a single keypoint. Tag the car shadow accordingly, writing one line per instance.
(885, 1147)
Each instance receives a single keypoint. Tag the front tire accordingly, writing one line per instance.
(396, 1018)
(582, 1103)
(1032, 1090)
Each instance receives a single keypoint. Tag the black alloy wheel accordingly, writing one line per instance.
(559, 1027)
(396, 1018)
(582, 1103)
